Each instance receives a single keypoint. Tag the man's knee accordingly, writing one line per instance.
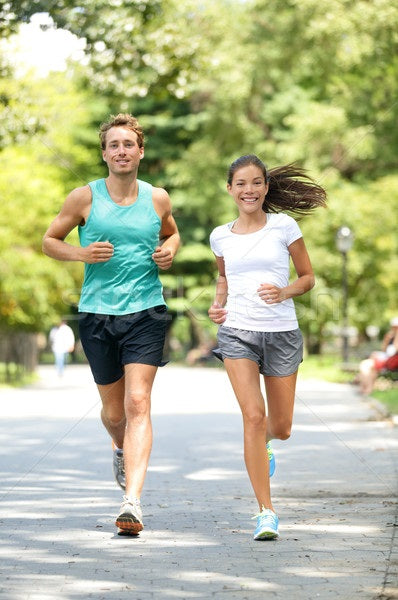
(112, 419)
(137, 402)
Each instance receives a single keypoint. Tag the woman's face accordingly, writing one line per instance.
(248, 188)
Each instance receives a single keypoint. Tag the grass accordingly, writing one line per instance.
(325, 367)
(389, 398)
(13, 375)
(328, 368)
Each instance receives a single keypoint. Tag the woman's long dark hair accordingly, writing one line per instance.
(290, 188)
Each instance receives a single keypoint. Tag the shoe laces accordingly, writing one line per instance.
(132, 500)
(265, 512)
(269, 450)
(120, 461)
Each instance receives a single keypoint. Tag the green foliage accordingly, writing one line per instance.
(31, 286)
(372, 263)
(342, 56)
(37, 174)
(288, 80)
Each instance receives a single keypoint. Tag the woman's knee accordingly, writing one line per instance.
(281, 430)
(255, 420)
(283, 435)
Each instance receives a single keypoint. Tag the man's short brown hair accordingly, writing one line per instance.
(121, 120)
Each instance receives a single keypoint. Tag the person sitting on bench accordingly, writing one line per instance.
(386, 359)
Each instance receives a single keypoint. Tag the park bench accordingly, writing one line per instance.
(389, 374)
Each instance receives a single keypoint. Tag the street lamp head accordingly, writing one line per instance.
(344, 239)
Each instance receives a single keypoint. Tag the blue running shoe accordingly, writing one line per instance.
(267, 525)
(271, 457)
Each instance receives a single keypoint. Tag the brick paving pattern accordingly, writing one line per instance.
(334, 490)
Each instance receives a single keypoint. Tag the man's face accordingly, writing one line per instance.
(122, 153)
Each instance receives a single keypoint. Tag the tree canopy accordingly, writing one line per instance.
(209, 81)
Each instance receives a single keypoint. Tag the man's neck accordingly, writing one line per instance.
(122, 189)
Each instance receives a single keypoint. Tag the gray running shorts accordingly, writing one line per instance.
(277, 353)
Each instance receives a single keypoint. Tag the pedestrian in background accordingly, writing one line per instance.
(258, 329)
(62, 342)
(127, 232)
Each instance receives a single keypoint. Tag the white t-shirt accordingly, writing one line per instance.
(62, 339)
(250, 260)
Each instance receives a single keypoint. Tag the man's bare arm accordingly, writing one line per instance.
(164, 254)
(74, 212)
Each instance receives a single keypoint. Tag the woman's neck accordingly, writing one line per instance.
(249, 223)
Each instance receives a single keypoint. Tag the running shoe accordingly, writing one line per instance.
(267, 525)
(129, 520)
(271, 457)
(118, 466)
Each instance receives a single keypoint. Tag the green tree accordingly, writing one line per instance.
(301, 88)
(289, 81)
(34, 180)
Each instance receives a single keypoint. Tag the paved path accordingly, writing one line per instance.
(334, 489)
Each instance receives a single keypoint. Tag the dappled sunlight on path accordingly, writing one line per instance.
(334, 489)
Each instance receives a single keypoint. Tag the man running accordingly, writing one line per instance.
(127, 232)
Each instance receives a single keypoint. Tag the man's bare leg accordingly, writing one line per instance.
(138, 434)
(112, 413)
(137, 442)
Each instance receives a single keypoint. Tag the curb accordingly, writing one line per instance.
(382, 410)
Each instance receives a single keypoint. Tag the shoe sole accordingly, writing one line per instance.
(267, 535)
(127, 524)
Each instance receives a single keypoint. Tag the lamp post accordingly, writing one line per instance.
(344, 241)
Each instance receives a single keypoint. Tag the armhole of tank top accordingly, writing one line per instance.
(91, 208)
(150, 190)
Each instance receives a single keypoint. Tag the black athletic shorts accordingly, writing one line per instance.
(112, 341)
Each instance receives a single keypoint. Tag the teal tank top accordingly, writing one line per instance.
(129, 281)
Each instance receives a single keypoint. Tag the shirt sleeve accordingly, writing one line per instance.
(215, 243)
(293, 231)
